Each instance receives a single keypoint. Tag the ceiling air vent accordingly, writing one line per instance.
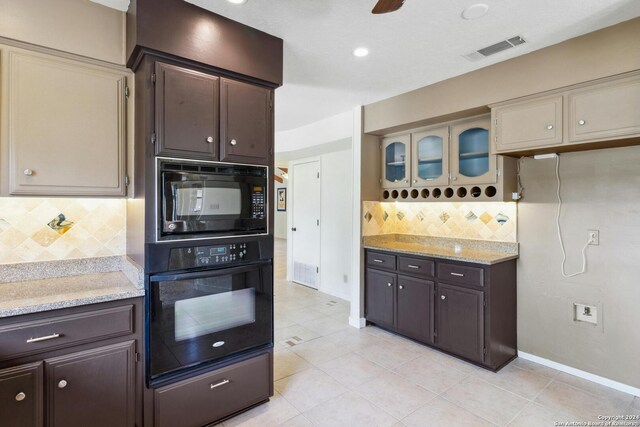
(495, 48)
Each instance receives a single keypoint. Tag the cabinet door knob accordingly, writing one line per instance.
(62, 384)
(400, 287)
(454, 178)
(406, 181)
(233, 142)
(20, 396)
(582, 122)
(443, 297)
(28, 172)
(210, 139)
(415, 181)
(389, 285)
(549, 127)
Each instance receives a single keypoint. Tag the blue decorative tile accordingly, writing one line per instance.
(471, 216)
(502, 218)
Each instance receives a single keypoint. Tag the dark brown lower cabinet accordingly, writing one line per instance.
(380, 298)
(93, 387)
(415, 314)
(466, 309)
(21, 396)
(461, 321)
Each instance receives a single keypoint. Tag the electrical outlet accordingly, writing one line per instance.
(594, 237)
(585, 313)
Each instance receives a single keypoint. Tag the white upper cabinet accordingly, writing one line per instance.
(65, 126)
(396, 161)
(471, 160)
(430, 157)
(527, 124)
(606, 111)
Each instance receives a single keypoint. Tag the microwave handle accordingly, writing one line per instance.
(207, 273)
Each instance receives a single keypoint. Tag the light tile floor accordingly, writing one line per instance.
(330, 374)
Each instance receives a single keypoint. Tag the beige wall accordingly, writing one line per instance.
(75, 26)
(603, 53)
(601, 190)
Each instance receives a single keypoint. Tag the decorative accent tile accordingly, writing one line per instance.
(400, 215)
(36, 229)
(502, 218)
(368, 216)
(498, 221)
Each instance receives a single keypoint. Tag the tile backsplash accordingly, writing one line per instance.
(47, 229)
(494, 221)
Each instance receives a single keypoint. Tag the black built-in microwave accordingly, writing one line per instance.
(199, 199)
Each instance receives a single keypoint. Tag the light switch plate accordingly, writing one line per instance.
(585, 313)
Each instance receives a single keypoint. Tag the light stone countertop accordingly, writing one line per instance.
(63, 284)
(474, 251)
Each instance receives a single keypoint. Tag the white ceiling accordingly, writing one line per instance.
(421, 44)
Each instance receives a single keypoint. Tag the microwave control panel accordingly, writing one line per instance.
(258, 202)
(203, 256)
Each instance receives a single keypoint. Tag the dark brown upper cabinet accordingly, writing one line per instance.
(245, 117)
(93, 387)
(21, 396)
(186, 112)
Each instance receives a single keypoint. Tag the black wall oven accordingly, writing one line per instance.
(199, 199)
(215, 302)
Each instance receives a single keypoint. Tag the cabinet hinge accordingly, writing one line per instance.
(318, 222)
(484, 302)
(498, 172)
(153, 138)
(435, 333)
(317, 269)
(126, 180)
(126, 92)
(484, 350)
(153, 78)
(318, 175)
(137, 357)
(496, 122)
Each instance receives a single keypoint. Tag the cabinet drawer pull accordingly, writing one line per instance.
(417, 267)
(378, 260)
(20, 396)
(457, 274)
(47, 338)
(220, 384)
(28, 172)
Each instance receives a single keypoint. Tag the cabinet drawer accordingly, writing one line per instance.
(204, 399)
(416, 266)
(461, 274)
(379, 260)
(23, 339)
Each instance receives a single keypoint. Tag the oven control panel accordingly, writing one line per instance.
(203, 256)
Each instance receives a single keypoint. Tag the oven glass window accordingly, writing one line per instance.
(206, 316)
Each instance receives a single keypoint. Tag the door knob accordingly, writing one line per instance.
(62, 384)
(233, 142)
(443, 297)
(210, 139)
(28, 172)
(20, 396)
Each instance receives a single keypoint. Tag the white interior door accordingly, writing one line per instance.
(305, 226)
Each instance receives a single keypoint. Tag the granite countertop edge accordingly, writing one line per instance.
(71, 302)
(496, 258)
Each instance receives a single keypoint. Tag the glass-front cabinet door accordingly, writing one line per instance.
(471, 161)
(430, 157)
(396, 161)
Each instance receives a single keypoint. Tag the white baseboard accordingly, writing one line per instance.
(357, 322)
(582, 374)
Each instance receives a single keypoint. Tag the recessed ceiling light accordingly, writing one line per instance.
(237, 1)
(475, 11)
(361, 52)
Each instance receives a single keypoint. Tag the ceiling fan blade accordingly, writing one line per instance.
(386, 6)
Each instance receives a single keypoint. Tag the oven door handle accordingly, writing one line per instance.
(207, 273)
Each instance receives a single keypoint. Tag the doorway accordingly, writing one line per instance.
(305, 223)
